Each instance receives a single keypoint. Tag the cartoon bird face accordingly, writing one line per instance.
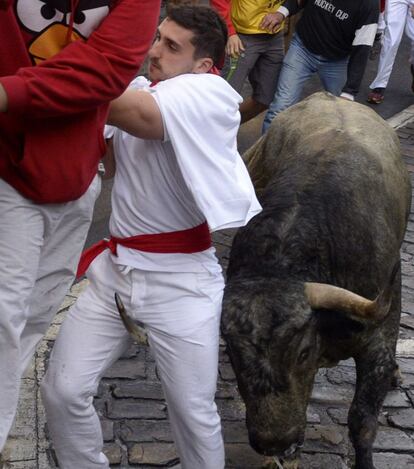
(49, 21)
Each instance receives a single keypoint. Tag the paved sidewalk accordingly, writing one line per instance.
(134, 415)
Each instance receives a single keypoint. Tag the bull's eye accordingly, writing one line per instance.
(304, 355)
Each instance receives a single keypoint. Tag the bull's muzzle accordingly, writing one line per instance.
(287, 447)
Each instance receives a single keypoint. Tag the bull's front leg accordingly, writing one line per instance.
(375, 370)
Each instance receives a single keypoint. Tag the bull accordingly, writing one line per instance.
(314, 278)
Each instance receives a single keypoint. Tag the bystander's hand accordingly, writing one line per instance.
(234, 46)
(272, 21)
(3, 99)
(412, 11)
(108, 160)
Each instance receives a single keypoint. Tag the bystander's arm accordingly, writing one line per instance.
(137, 113)
(86, 74)
(223, 7)
(356, 68)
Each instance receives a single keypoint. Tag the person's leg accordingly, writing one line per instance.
(332, 74)
(409, 31)
(183, 330)
(264, 76)
(91, 338)
(242, 68)
(298, 66)
(39, 247)
(65, 233)
(250, 108)
(21, 239)
(395, 18)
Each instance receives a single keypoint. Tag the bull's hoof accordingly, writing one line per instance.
(397, 379)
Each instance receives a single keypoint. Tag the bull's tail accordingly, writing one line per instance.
(384, 299)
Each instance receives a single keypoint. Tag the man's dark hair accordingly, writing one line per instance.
(210, 31)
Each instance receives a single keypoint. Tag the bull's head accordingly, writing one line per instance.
(275, 338)
(274, 348)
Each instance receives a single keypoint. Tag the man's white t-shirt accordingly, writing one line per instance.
(195, 174)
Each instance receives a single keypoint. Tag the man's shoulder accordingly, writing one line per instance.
(194, 79)
(202, 84)
(198, 98)
(140, 82)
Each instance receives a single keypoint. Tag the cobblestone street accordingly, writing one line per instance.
(134, 415)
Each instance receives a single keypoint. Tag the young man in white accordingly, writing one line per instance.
(398, 18)
(178, 177)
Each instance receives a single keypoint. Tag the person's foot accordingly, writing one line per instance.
(376, 96)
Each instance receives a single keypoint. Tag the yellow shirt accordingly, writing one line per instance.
(246, 15)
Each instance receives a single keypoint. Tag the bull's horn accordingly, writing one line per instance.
(325, 296)
(135, 328)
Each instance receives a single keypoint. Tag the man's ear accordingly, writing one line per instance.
(203, 65)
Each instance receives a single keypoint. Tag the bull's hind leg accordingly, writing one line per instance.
(374, 375)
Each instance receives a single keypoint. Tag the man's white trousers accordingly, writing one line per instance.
(397, 18)
(181, 313)
(40, 247)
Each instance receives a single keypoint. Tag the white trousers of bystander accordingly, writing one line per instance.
(181, 312)
(40, 246)
(398, 18)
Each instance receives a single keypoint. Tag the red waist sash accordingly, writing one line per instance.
(185, 241)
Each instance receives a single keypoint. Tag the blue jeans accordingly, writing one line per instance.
(300, 64)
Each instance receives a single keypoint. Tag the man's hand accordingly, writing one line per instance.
(3, 100)
(272, 21)
(234, 46)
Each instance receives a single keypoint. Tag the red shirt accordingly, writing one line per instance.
(59, 79)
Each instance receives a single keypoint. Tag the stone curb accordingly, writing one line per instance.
(402, 118)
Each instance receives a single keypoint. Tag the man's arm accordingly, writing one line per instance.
(362, 43)
(234, 45)
(223, 7)
(137, 113)
(87, 74)
(356, 68)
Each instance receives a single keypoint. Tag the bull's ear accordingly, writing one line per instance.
(325, 296)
